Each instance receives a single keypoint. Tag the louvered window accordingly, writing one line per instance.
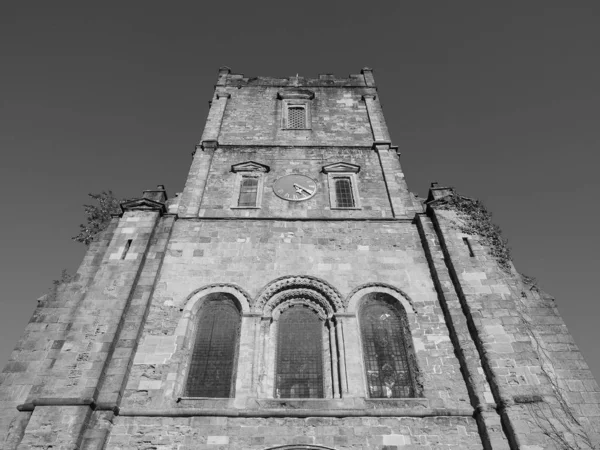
(343, 193)
(248, 191)
(299, 368)
(385, 351)
(296, 117)
(212, 367)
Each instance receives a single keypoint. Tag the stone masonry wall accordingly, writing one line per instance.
(47, 326)
(250, 254)
(211, 433)
(253, 116)
(219, 194)
(103, 363)
(543, 388)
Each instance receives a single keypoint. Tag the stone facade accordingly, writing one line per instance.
(104, 363)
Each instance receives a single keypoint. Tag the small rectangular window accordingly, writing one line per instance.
(343, 193)
(296, 117)
(468, 244)
(248, 191)
(126, 248)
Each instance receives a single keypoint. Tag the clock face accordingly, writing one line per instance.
(295, 188)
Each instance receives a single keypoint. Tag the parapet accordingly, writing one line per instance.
(363, 79)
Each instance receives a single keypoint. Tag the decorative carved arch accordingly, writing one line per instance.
(322, 313)
(309, 297)
(354, 298)
(304, 286)
(196, 299)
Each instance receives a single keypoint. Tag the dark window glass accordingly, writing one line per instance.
(343, 193)
(299, 372)
(385, 352)
(296, 117)
(211, 370)
(248, 191)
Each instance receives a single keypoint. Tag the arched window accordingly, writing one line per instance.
(386, 349)
(211, 372)
(299, 365)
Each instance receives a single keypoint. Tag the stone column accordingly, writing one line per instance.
(329, 373)
(353, 383)
(334, 358)
(265, 375)
(247, 358)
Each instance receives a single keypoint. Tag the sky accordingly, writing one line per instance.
(500, 101)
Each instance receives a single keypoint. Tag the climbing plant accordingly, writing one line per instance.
(477, 220)
(97, 216)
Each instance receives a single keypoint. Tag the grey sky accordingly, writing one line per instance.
(500, 102)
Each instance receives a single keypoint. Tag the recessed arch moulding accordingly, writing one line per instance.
(343, 367)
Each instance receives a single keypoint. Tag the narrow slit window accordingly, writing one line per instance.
(299, 371)
(468, 244)
(343, 193)
(248, 191)
(296, 117)
(126, 248)
(211, 371)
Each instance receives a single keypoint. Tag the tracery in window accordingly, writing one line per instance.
(386, 350)
(211, 372)
(299, 363)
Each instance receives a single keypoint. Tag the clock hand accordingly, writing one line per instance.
(299, 188)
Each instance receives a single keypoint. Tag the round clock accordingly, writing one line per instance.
(295, 188)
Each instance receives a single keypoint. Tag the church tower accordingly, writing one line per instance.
(294, 296)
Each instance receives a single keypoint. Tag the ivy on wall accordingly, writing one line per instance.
(98, 216)
(477, 220)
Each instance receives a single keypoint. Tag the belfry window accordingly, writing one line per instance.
(296, 117)
(386, 350)
(211, 372)
(299, 363)
(296, 108)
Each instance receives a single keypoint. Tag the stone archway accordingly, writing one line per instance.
(321, 298)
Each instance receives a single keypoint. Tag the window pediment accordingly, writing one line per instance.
(250, 166)
(341, 167)
(143, 204)
(296, 94)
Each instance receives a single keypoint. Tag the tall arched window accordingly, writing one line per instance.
(299, 365)
(211, 372)
(386, 349)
